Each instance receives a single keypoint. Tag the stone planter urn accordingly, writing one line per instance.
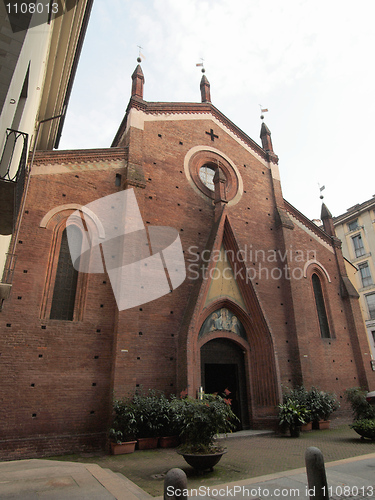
(202, 463)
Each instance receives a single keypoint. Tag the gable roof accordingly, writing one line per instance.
(158, 108)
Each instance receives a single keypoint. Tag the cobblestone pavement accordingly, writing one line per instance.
(247, 457)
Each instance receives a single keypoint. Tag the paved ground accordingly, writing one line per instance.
(265, 462)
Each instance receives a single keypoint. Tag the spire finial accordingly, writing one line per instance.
(321, 189)
(201, 64)
(262, 110)
(140, 55)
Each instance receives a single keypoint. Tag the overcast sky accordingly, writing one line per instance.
(310, 62)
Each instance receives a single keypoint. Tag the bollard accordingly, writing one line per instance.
(175, 485)
(316, 474)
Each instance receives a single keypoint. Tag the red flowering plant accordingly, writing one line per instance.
(200, 420)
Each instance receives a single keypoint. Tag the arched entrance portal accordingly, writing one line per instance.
(223, 367)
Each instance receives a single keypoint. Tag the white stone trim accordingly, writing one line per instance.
(316, 263)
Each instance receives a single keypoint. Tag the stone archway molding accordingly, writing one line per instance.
(74, 206)
(315, 262)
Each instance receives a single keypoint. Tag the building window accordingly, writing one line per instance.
(320, 307)
(358, 245)
(365, 274)
(118, 180)
(353, 225)
(64, 292)
(370, 299)
(373, 336)
(206, 175)
(201, 167)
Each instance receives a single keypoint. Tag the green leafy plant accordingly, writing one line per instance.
(200, 419)
(319, 405)
(168, 417)
(328, 404)
(356, 396)
(301, 396)
(124, 424)
(314, 403)
(151, 412)
(292, 414)
(365, 427)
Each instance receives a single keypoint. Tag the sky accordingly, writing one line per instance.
(309, 62)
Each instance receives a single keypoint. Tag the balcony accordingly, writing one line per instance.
(12, 178)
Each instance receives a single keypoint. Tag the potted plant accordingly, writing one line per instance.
(199, 421)
(365, 427)
(149, 417)
(363, 413)
(328, 404)
(302, 396)
(293, 415)
(314, 405)
(321, 405)
(169, 431)
(123, 430)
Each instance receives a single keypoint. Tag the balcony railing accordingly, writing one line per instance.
(12, 178)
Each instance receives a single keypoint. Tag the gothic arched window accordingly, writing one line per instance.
(64, 292)
(320, 307)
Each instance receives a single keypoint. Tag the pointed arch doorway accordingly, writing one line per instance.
(222, 369)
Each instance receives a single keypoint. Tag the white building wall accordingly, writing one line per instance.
(33, 55)
(366, 221)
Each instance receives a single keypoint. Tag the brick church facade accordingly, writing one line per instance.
(266, 301)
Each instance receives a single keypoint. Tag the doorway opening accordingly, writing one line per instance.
(223, 369)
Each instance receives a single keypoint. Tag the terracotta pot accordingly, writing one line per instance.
(306, 427)
(147, 443)
(202, 462)
(123, 448)
(324, 424)
(169, 441)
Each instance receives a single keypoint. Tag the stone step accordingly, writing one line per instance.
(122, 488)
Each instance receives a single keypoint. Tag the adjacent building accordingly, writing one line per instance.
(356, 229)
(39, 52)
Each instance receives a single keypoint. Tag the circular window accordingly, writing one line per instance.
(202, 168)
(206, 175)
